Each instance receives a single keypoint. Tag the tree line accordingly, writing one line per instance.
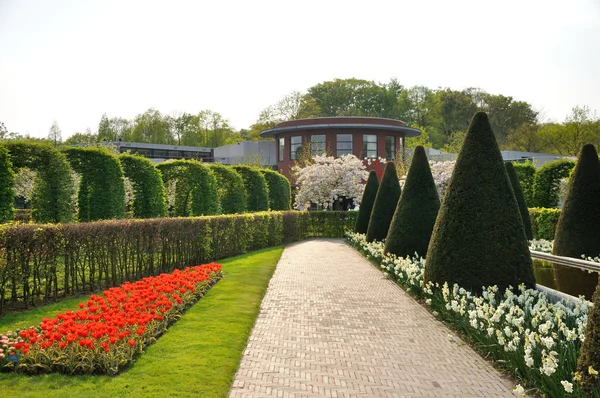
(443, 115)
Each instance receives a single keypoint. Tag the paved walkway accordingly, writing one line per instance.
(331, 325)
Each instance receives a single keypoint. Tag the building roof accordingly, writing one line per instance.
(343, 122)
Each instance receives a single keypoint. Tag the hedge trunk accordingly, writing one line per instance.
(366, 203)
(578, 228)
(478, 239)
(385, 204)
(520, 196)
(417, 209)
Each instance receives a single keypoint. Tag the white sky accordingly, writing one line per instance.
(71, 61)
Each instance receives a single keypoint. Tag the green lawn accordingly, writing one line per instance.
(197, 357)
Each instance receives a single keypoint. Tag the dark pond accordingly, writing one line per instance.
(568, 280)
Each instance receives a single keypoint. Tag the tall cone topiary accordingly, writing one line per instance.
(578, 228)
(366, 203)
(384, 205)
(520, 196)
(417, 209)
(478, 238)
(589, 355)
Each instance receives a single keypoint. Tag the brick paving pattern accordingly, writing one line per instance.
(331, 325)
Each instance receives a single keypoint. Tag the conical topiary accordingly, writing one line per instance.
(589, 355)
(520, 196)
(578, 228)
(384, 205)
(417, 209)
(366, 203)
(478, 238)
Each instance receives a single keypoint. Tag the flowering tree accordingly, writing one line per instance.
(441, 171)
(328, 179)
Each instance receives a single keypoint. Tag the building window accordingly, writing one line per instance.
(317, 144)
(344, 145)
(295, 147)
(370, 146)
(281, 148)
(390, 147)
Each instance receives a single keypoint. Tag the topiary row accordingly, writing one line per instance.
(149, 196)
(256, 187)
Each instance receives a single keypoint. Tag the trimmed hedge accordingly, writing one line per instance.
(256, 187)
(232, 195)
(546, 182)
(280, 191)
(148, 190)
(589, 354)
(71, 259)
(7, 182)
(543, 222)
(518, 191)
(366, 203)
(101, 193)
(478, 239)
(526, 174)
(385, 204)
(417, 209)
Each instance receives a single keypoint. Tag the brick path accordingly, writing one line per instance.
(331, 325)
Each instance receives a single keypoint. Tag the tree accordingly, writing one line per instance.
(523, 209)
(366, 203)
(152, 127)
(505, 114)
(580, 127)
(479, 221)
(416, 211)
(55, 134)
(527, 137)
(87, 138)
(181, 125)
(329, 179)
(3, 131)
(422, 139)
(385, 204)
(455, 143)
(456, 109)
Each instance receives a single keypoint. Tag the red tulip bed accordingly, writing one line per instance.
(108, 330)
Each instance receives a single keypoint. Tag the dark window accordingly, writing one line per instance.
(281, 148)
(317, 144)
(295, 147)
(159, 153)
(370, 146)
(344, 145)
(390, 147)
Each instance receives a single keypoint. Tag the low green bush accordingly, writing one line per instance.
(543, 222)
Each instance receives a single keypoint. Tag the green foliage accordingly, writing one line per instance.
(589, 355)
(478, 238)
(256, 187)
(7, 182)
(280, 191)
(546, 182)
(53, 185)
(366, 203)
(195, 187)
(543, 222)
(149, 197)
(385, 204)
(417, 209)
(101, 193)
(516, 186)
(231, 191)
(526, 173)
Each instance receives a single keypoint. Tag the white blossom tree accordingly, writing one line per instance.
(441, 172)
(328, 179)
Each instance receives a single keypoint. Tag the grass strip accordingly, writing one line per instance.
(197, 356)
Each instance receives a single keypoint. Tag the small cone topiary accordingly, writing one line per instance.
(366, 203)
(478, 239)
(589, 355)
(384, 205)
(520, 196)
(578, 228)
(417, 209)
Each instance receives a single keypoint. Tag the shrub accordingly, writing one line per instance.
(543, 222)
(578, 228)
(149, 197)
(589, 355)
(526, 173)
(7, 182)
(256, 187)
(411, 226)
(280, 191)
(516, 186)
(231, 191)
(366, 203)
(385, 204)
(546, 182)
(479, 239)
(101, 193)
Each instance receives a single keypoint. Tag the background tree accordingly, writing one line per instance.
(55, 134)
(455, 142)
(151, 126)
(87, 138)
(3, 131)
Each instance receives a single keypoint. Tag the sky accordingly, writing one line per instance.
(73, 60)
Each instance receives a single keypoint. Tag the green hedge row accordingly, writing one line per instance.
(543, 222)
(48, 261)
